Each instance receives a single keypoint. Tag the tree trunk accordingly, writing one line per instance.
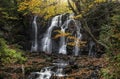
(92, 36)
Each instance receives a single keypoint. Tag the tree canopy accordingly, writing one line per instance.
(45, 8)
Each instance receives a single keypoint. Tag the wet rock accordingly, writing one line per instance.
(94, 75)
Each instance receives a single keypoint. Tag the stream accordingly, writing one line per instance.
(62, 24)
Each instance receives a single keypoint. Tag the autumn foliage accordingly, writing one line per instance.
(45, 8)
(75, 41)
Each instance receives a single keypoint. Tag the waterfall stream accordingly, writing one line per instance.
(64, 25)
(62, 48)
(34, 46)
(52, 71)
(47, 41)
(57, 22)
(79, 37)
(91, 48)
(68, 25)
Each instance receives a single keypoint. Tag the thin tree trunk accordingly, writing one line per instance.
(92, 36)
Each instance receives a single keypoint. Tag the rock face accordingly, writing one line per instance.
(62, 35)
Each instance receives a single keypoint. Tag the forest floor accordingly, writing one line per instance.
(83, 67)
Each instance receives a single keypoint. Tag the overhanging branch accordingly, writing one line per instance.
(72, 8)
(92, 36)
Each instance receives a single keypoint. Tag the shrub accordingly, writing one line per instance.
(9, 55)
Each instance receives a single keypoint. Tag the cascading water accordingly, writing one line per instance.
(63, 42)
(69, 25)
(62, 48)
(60, 64)
(34, 46)
(91, 48)
(57, 22)
(47, 41)
(47, 72)
(66, 24)
(77, 41)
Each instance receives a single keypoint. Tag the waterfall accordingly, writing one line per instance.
(62, 43)
(34, 46)
(65, 24)
(77, 41)
(47, 41)
(91, 48)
